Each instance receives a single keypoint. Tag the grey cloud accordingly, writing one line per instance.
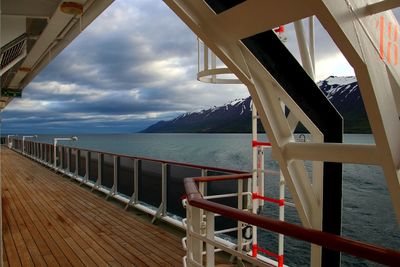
(124, 73)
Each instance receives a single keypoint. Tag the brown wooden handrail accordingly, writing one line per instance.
(356, 248)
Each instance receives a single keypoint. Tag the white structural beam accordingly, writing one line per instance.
(364, 40)
(56, 25)
(264, 95)
(90, 13)
(261, 19)
(331, 152)
(304, 51)
(267, 94)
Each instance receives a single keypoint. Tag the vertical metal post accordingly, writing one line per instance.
(55, 154)
(213, 66)
(304, 53)
(210, 250)
(68, 168)
(86, 178)
(60, 157)
(239, 223)
(99, 168)
(204, 173)
(23, 145)
(281, 212)
(77, 163)
(205, 57)
(198, 55)
(164, 189)
(115, 185)
(260, 170)
(196, 244)
(312, 41)
(254, 150)
(254, 188)
(136, 180)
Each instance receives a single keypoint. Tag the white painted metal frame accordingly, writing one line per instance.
(352, 28)
(55, 141)
(8, 140)
(23, 141)
(207, 71)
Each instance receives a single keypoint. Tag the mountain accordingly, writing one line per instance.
(235, 117)
(344, 94)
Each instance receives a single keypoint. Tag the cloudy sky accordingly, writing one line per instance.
(135, 65)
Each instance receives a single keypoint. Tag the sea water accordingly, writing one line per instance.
(368, 214)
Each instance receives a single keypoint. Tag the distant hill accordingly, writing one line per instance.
(235, 117)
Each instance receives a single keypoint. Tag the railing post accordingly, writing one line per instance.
(77, 163)
(136, 180)
(45, 153)
(99, 170)
(60, 158)
(204, 173)
(134, 197)
(195, 249)
(55, 154)
(115, 186)
(87, 162)
(162, 209)
(210, 253)
(113, 189)
(68, 168)
(239, 223)
(164, 189)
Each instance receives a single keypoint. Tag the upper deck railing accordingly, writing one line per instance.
(155, 186)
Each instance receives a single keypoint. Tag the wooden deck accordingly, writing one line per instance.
(50, 221)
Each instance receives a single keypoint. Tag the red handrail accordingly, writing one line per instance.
(356, 248)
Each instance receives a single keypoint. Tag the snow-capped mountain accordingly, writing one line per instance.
(344, 94)
(235, 117)
(231, 117)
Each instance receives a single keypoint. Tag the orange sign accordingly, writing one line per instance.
(388, 41)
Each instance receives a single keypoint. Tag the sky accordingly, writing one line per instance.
(123, 76)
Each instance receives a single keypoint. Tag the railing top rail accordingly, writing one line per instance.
(356, 248)
(169, 162)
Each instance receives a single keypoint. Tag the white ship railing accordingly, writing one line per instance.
(144, 183)
(201, 232)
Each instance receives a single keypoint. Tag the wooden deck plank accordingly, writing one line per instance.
(162, 247)
(150, 236)
(32, 247)
(19, 242)
(123, 261)
(31, 203)
(51, 260)
(148, 259)
(40, 231)
(9, 247)
(54, 222)
(67, 251)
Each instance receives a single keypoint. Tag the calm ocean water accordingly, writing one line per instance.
(367, 211)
